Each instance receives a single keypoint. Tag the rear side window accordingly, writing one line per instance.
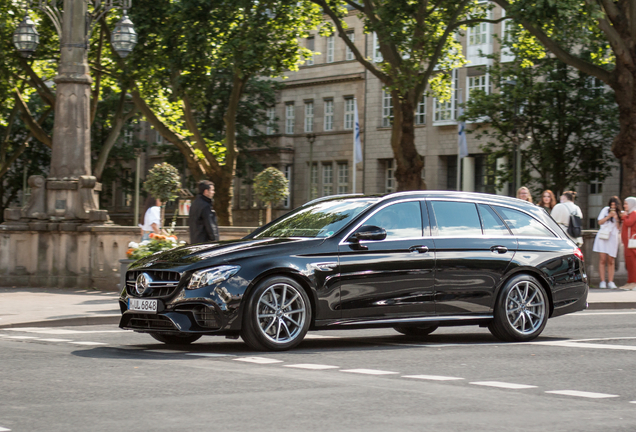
(456, 218)
(522, 224)
(491, 223)
(401, 220)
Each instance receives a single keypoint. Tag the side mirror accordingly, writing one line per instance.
(368, 232)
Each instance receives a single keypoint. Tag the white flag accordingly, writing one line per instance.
(357, 145)
(462, 145)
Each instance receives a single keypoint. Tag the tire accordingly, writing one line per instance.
(521, 311)
(276, 316)
(175, 339)
(415, 331)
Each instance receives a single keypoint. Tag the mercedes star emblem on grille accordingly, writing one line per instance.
(142, 283)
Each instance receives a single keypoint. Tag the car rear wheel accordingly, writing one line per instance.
(277, 315)
(521, 312)
(175, 339)
(415, 331)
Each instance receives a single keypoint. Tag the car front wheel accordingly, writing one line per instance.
(277, 315)
(521, 312)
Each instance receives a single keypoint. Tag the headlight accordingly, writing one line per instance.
(212, 276)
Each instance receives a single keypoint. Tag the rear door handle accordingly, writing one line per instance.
(420, 249)
(499, 249)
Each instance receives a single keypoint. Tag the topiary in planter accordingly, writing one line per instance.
(163, 182)
(271, 186)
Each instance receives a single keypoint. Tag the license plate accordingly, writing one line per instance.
(141, 305)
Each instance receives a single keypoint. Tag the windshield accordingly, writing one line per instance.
(322, 219)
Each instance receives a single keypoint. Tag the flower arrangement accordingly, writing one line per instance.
(157, 243)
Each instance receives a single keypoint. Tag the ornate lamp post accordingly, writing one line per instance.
(311, 137)
(69, 191)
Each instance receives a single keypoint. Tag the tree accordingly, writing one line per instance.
(271, 186)
(416, 40)
(163, 182)
(185, 47)
(597, 38)
(561, 120)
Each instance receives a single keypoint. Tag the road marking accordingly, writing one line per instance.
(56, 340)
(315, 336)
(574, 344)
(432, 377)
(369, 371)
(210, 355)
(4, 429)
(44, 330)
(503, 385)
(600, 313)
(312, 366)
(582, 394)
(21, 337)
(88, 343)
(258, 360)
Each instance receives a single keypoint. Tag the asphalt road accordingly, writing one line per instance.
(580, 375)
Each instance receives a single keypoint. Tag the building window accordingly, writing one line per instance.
(348, 118)
(309, 116)
(352, 37)
(343, 178)
(485, 174)
(314, 182)
(331, 41)
(478, 35)
(243, 195)
(377, 54)
(451, 173)
(327, 180)
(596, 186)
(126, 193)
(289, 118)
(446, 111)
(387, 109)
(479, 82)
(420, 114)
(310, 45)
(328, 114)
(288, 173)
(389, 176)
(271, 119)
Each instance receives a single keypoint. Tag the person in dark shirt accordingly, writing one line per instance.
(202, 219)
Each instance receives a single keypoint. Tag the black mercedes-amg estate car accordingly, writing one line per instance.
(413, 261)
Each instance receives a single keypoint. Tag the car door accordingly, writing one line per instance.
(394, 277)
(473, 248)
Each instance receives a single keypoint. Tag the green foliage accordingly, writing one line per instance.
(563, 119)
(271, 186)
(163, 182)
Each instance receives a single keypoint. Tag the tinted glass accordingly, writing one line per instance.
(491, 223)
(402, 220)
(456, 218)
(522, 224)
(322, 219)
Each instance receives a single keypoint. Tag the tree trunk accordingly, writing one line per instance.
(624, 146)
(409, 163)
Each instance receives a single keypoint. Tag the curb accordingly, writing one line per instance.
(68, 322)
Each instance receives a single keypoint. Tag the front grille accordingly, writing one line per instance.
(163, 282)
(150, 322)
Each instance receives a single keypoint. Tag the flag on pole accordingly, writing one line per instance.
(357, 144)
(462, 145)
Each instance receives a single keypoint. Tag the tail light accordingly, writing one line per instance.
(579, 254)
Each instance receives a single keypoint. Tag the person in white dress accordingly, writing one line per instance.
(562, 211)
(607, 241)
(152, 218)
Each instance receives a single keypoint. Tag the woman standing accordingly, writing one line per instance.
(561, 213)
(606, 241)
(152, 218)
(548, 200)
(628, 230)
(523, 193)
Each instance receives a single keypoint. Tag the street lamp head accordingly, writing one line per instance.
(26, 38)
(311, 137)
(124, 37)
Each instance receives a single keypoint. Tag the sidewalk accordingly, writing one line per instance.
(57, 307)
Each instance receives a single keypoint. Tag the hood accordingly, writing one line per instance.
(208, 253)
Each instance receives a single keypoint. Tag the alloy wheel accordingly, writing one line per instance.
(281, 313)
(525, 307)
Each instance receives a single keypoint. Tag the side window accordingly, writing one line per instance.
(456, 218)
(491, 223)
(402, 220)
(522, 224)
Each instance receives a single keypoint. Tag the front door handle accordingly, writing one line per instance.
(420, 249)
(499, 249)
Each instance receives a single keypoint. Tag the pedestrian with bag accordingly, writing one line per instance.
(606, 240)
(628, 235)
(202, 219)
(569, 216)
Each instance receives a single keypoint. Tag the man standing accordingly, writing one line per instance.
(202, 220)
